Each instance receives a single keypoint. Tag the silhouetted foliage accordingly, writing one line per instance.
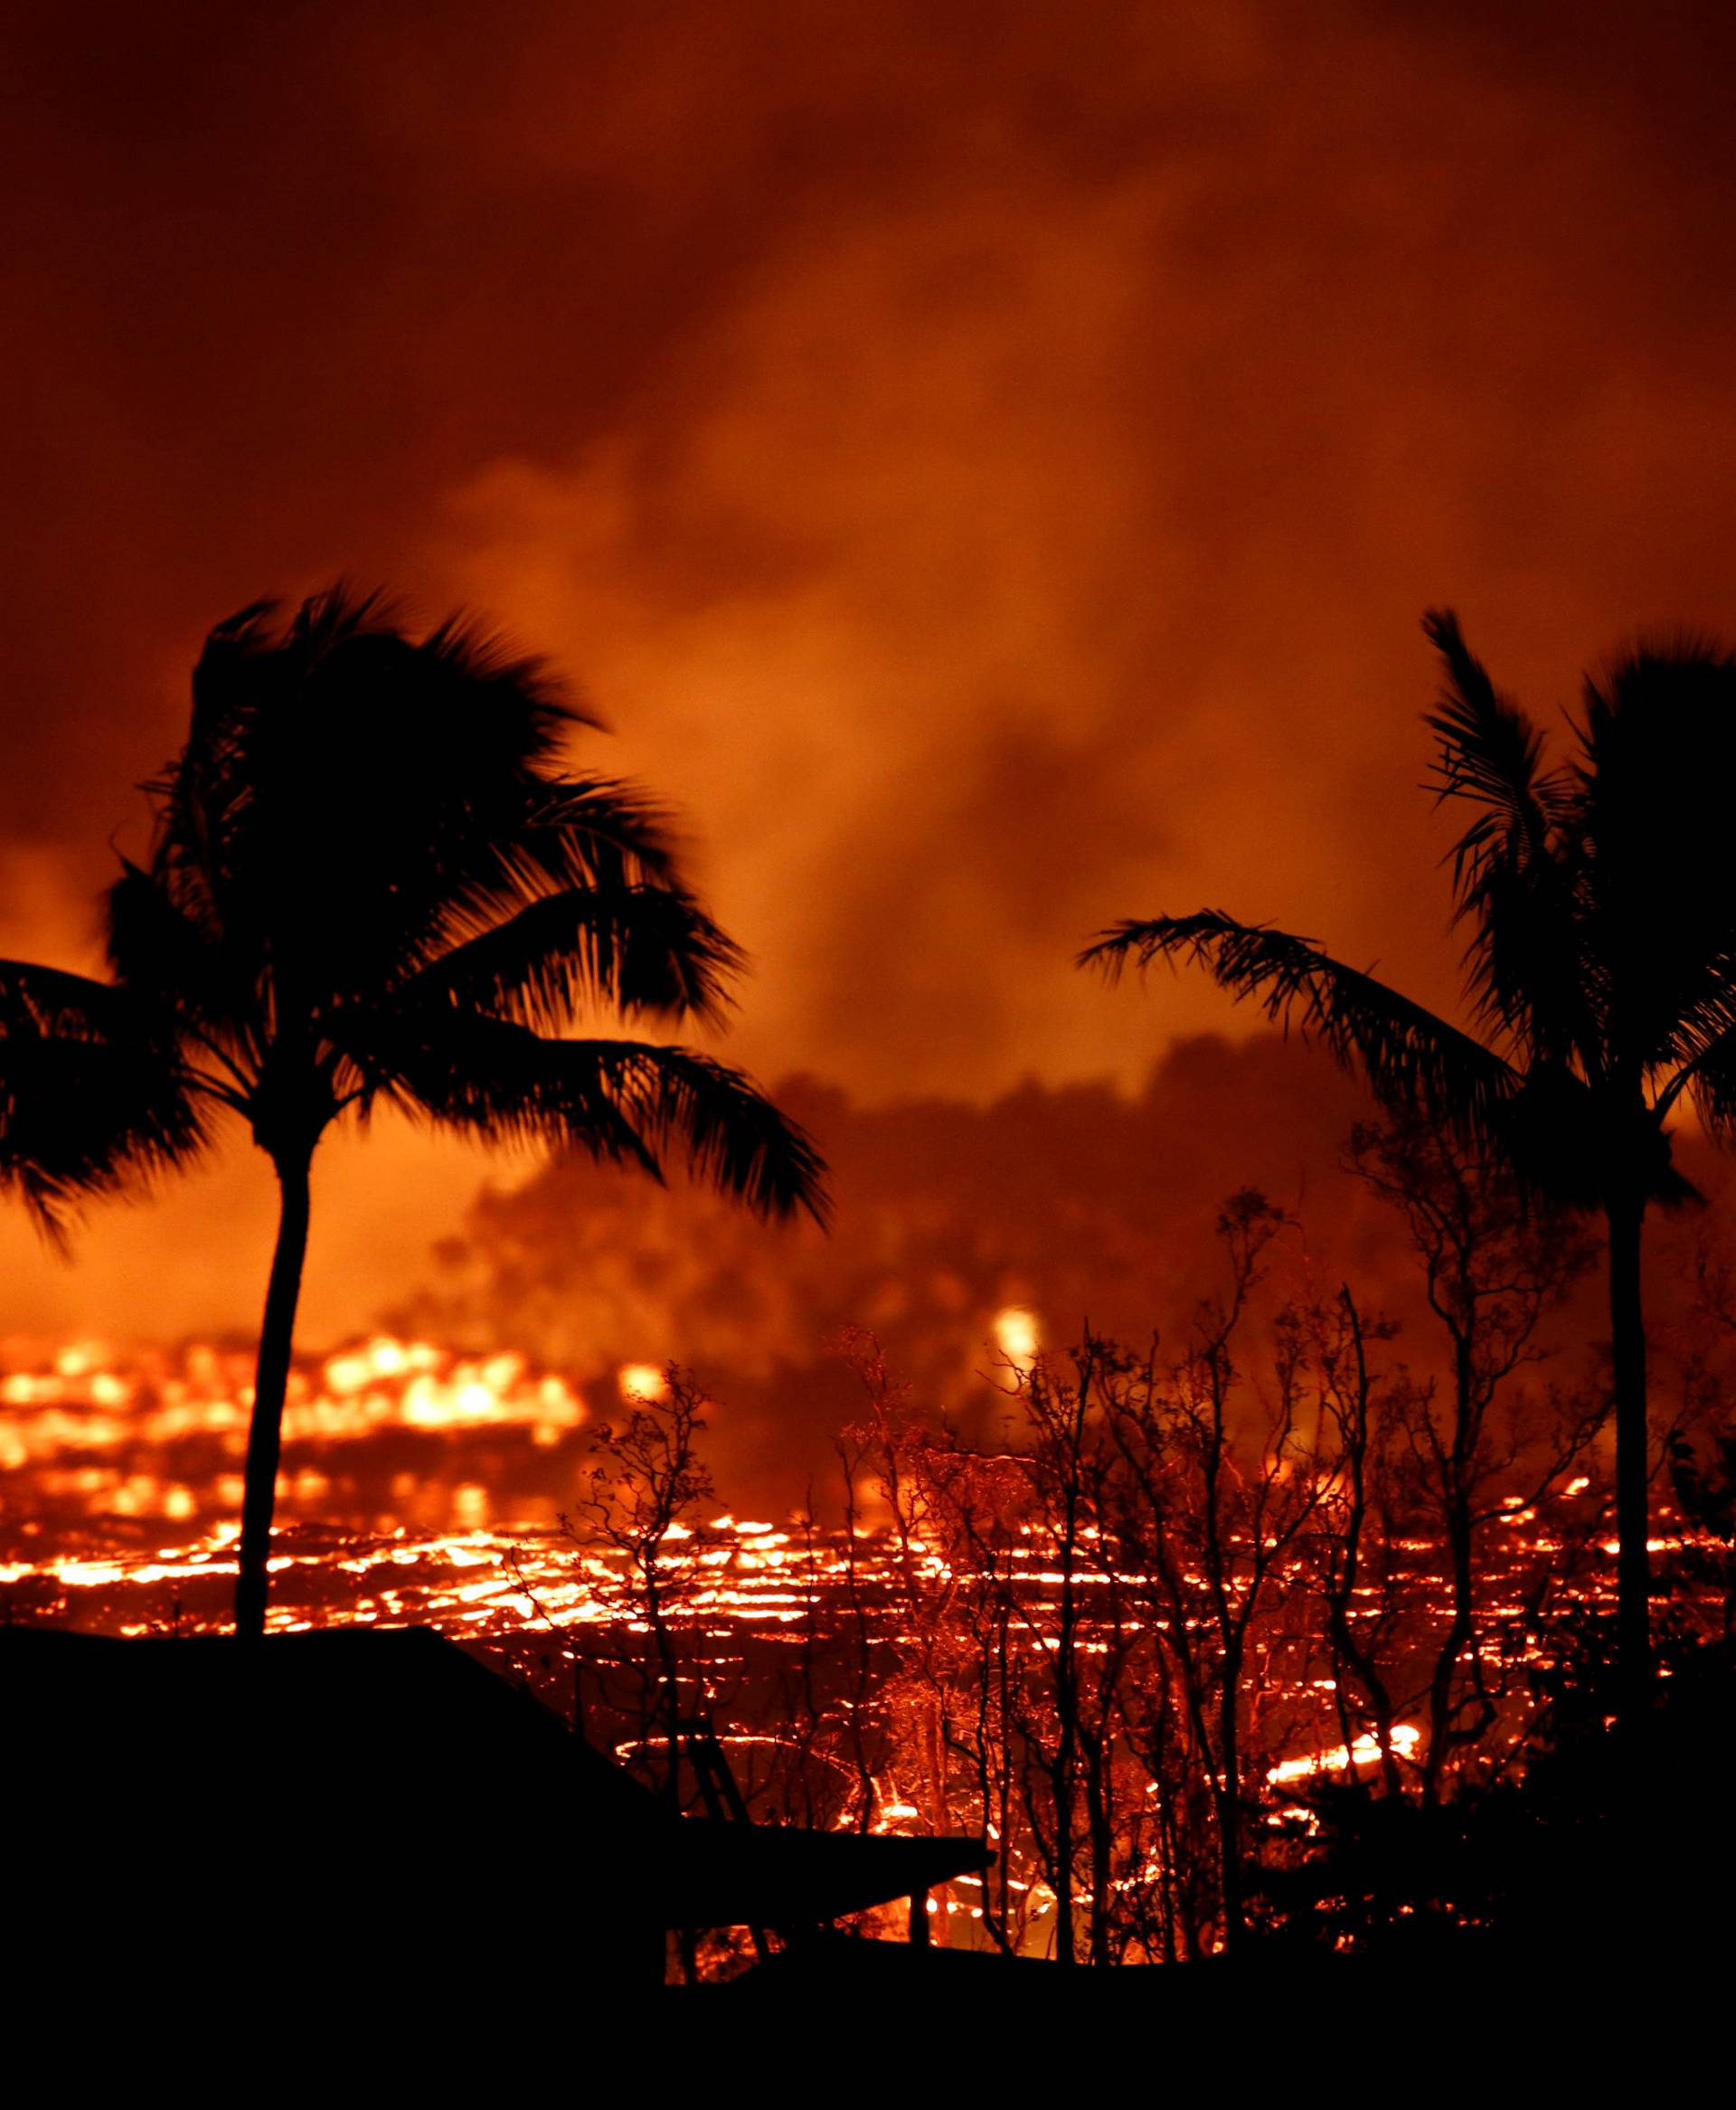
(1466, 1453)
(1600, 902)
(371, 882)
(1544, 1864)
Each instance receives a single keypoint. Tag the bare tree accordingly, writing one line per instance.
(645, 1480)
(1220, 1484)
(1360, 1525)
(1483, 1448)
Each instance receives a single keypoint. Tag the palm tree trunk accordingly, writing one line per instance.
(1625, 1215)
(271, 1378)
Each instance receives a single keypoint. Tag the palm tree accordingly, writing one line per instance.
(371, 882)
(1600, 898)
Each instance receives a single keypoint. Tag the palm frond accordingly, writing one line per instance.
(488, 1079)
(1490, 752)
(627, 1102)
(1562, 1140)
(351, 798)
(1707, 1075)
(634, 949)
(536, 839)
(732, 1134)
(487, 666)
(93, 1098)
(1516, 878)
(1659, 747)
(1413, 1060)
(1701, 1030)
(371, 876)
(159, 953)
(39, 999)
(221, 671)
(1526, 966)
(337, 616)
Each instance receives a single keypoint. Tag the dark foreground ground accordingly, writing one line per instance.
(354, 1868)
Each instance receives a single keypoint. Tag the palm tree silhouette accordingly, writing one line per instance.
(1600, 897)
(370, 883)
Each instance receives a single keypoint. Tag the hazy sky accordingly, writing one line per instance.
(987, 461)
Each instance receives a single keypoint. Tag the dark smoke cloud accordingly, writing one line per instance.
(1081, 1205)
(1078, 1204)
(1073, 1202)
(987, 460)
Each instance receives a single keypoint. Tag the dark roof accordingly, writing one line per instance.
(393, 1712)
(371, 1759)
(762, 1875)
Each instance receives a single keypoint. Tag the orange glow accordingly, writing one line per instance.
(1015, 1336)
(987, 464)
(942, 602)
(641, 1383)
(63, 1421)
(1365, 1752)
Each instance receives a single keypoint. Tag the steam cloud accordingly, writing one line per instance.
(987, 461)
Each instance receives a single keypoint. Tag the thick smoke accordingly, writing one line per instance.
(987, 460)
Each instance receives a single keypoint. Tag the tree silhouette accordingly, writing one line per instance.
(1602, 971)
(371, 882)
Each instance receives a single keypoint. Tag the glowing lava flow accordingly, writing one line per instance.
(77, 1406)
(1365, 1752)
(374, 1435)
(421, 1486)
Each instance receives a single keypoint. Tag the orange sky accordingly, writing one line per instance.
(987, 461)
